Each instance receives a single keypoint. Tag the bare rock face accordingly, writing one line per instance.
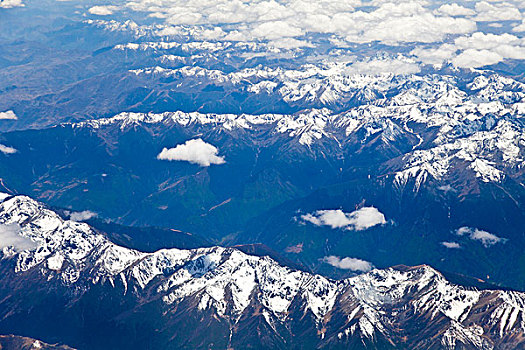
(63, 280)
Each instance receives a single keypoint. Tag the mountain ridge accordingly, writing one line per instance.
(72, 262)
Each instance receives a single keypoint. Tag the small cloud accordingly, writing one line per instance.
(455, 10)
(82, 215)
(102, 10)
(451, 245)
(435, 55)
(194, 151)
(486, 238)
(358, 220)
(348, 263)
(473, 58)
(462, 231)
(520, 27)
(276, 30)
(491, 48)
(7, 150)
(8, 115)
(487, 12)
(10, 237)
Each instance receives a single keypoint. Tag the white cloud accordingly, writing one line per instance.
(10, 237)
(7, 150)
(472, 58)
(6, 4)
(358, 220)
(8, 115)
(194, 151)
(210, 34)
(388, 22)
(491, 12)
(505, 45)
(290, 25)
(348, 263)
(275, 30)
(451, 245)
(495, 25)
(455, 10)
(480, 40)
(476, 50)
(435, 56)
(486, 238)
(333, 218)
(520, 27)
(82, 215)
(405, 22)
(103, 10)
(184, 18)
(462, 231)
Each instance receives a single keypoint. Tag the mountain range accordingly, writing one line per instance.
(63, 281)
(440, 157)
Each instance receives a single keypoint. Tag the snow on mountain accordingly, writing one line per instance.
(480, 125)
(202, 47)
(307, 126)
(328, 83)
(334, 83)
(228, 281)
(481, 149)
(128, 26)
(73, 252)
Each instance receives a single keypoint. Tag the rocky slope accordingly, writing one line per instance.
(60, 270)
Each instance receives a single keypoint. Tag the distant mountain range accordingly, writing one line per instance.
(63, 281)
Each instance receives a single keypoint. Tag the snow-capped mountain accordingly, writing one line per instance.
(240, 299)
(340, 84)
(478, 127)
